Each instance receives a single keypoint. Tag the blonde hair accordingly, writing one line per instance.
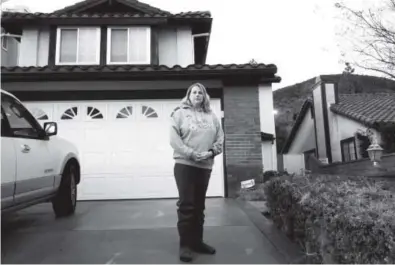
(206, 97)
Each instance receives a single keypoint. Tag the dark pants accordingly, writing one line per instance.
(192, 183)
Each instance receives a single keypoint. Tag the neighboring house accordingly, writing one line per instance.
(332, 126)
(10, 44)
(110, 72)
(9, 50)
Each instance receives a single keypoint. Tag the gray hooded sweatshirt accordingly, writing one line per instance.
(193, 130)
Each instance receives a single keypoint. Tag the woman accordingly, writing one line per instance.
(196, 137)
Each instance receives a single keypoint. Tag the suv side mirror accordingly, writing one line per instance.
(51, 128)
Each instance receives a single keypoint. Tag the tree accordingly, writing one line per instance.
(348, 69)
(253, 62)
(371, 35)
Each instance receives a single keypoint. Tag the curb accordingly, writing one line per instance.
(289, 250)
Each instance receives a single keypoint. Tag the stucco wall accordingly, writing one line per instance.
(267, 156)
(305, 137)
(343, 128)
(293, 163)
(267, 124)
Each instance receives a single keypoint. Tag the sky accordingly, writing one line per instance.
(299, 37)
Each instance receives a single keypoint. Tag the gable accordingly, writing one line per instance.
(307, 108)
(111, 6)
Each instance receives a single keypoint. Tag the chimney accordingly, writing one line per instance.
(324, 95)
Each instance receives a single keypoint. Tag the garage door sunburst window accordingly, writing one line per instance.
(39, 114)
(125, 113)
(149, 112)
(70, 114)
(94, 113)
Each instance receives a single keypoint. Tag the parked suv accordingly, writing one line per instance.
(36, 165)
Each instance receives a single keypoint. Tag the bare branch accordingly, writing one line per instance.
(372, 37)
(377, 70)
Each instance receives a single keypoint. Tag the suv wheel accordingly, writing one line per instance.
(65, 201)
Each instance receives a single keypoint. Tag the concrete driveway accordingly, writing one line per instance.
(116, 232)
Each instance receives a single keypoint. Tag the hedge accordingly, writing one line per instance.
(335, 219)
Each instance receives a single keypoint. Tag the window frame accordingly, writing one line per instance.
(109, 36)
(347, 142)
(27, 116)
(58, 38)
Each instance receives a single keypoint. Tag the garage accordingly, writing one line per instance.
(124, 146)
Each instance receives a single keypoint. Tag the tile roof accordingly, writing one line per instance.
(136, 68)
(367, 108)
(16, 72)
(20, 15)
(137, 4)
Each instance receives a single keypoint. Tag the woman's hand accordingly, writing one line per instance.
(204, 155)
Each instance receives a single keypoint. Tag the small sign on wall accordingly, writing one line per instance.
(324, 160)
(247, 184)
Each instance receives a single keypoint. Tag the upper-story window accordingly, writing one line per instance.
(129, 45)
(78, 45)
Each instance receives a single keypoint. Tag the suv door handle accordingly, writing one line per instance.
(25, 148)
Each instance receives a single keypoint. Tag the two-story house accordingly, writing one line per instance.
(110, 72)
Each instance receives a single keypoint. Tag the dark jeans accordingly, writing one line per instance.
(192, 183)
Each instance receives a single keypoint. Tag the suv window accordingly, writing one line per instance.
(21, 122)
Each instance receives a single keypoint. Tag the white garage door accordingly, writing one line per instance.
(124, 146)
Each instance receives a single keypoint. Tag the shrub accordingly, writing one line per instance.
(269, 174)
(335, 219)
(255, 194)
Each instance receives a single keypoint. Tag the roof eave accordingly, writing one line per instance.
(18, 23)
(26, 74)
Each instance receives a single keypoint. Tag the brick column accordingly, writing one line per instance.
(243, 148)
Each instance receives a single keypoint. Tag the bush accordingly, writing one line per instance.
(335, 219)
(255, 194)
(269, 174)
